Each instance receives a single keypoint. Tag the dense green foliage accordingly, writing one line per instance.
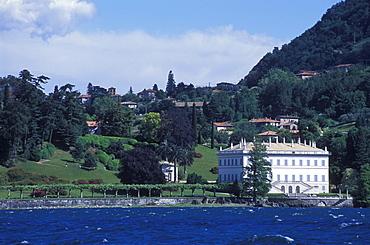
(342, 36)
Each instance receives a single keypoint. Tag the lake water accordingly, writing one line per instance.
(192, 225)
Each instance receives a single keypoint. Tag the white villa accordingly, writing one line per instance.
(295, 167)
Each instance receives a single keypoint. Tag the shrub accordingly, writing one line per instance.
(214, 170)
(48, 151)
(95, 181)
(37, 193)
(198, 155)
(80, 182)
(132, 141)
(193, 178)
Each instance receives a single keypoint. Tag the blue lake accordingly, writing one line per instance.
(192, 225)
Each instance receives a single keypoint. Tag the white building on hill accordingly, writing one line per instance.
(295, 167)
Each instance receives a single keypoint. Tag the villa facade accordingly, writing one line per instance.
(295, 167)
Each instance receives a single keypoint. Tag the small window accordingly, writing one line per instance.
(286, 177)
(301, 177)
(286, 162)
(278, 162)
(220, 162)
(293, 162)
(308, 178)
(293, 177)
(323, 163)
(323, 188)
(323, 178)
(308, 162)
(300, 162)
(315, 162)
(278, 177)
(315, 177)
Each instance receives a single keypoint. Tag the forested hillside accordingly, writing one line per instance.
(341, 36)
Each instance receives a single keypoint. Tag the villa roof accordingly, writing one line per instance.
(276, 147)
(261, 120)
(222, 124)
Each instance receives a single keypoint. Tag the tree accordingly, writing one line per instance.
(171, 85)
(258, 173)
(116, 120)
(140, 166)
(89, 161)
(362, 194)
(149, 127)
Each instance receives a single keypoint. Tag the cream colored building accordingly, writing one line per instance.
(295, 167)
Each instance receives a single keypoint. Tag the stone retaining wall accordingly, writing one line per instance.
(90, 202)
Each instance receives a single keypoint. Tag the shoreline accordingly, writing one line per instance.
(43, 203)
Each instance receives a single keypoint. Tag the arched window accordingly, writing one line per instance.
(290, 189)
(297, 189)
(283, 189)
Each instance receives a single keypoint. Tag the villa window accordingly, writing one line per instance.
(278, 162)
(271, 162)
(293, 162)
(323, 188)
(301, 177)
(308, 178)
(323, 178)
(228, 162)
(308, 162)
(315, 162)
(323, 163)
(300, 162)
(220, 162)
(232, 161)
(278, 177)
(315, 177)
(286, 177)
(293, 177)
(225, 162)
(286, 162)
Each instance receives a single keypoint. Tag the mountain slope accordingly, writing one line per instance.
(341, 36)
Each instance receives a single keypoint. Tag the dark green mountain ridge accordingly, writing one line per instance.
(341, 36)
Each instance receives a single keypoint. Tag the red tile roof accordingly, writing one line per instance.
(222, 124)
(268, 133)
(92, 123)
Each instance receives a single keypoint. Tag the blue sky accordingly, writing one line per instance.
(123, 43)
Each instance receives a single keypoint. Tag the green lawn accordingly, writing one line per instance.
(63, 166)
(57, 166)
(202, 166)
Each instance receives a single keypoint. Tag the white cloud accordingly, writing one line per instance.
(137, 59)
(44, 18)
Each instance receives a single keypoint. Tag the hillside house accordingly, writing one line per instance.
(94, 127)
(198, 105)
(84, 99)
(130, 104)
(168, 169)
(148, 94)
(259, 122)
(296, 167)
(223, 126)
(306, 74)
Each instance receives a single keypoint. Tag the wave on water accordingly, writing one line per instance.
(266, 239)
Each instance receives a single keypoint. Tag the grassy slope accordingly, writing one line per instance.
(202, 166)
(57, 166)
